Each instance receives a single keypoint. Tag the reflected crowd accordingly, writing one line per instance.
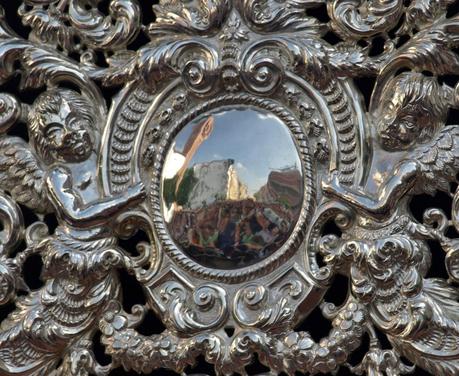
(231, 233)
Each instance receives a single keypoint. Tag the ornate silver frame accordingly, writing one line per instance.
(99, 171)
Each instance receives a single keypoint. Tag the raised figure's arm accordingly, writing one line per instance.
(74, 211)
(402, 180)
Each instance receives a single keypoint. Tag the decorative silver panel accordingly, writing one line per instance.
(236, 136)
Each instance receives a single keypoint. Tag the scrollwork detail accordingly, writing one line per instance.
(178, 17)
(257, 306)
(204, 308)
(269, 15)
(364, 19)
(62, 21)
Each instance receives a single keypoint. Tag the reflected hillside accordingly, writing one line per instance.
(284, 186)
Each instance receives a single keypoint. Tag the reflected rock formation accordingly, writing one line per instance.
(232, 187)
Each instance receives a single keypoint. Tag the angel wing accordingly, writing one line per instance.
(436, 347)
(439, 161)
(22, 175)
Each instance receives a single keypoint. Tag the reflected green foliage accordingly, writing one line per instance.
(183, 192)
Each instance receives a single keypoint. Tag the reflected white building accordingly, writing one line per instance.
(215, 181)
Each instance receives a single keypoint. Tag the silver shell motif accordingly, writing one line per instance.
(237, 134)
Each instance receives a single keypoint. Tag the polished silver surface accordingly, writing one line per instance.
(232, 187)
(237, 134)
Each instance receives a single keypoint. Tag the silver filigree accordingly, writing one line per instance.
(230, 266)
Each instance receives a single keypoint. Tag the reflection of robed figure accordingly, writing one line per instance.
(227, 229)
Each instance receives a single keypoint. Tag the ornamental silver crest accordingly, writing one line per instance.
(237, 134)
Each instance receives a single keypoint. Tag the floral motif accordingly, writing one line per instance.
(234, 31)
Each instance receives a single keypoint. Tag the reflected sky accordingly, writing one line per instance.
(232, 187)
(258, 141)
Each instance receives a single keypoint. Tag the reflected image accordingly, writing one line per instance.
(232, 187)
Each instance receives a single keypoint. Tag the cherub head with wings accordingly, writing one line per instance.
(413, 108)
(61, 124)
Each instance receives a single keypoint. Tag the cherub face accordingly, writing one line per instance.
(68, 135)
(400, 128)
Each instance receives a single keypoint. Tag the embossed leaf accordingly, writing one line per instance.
(120, 68)
(364, 19)
(421, 13)
(446, 296)
(430, 49)
(49, 28)
(42, 66)
(106, 32)
(176, 16)
(290, 15)
(436, 346)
